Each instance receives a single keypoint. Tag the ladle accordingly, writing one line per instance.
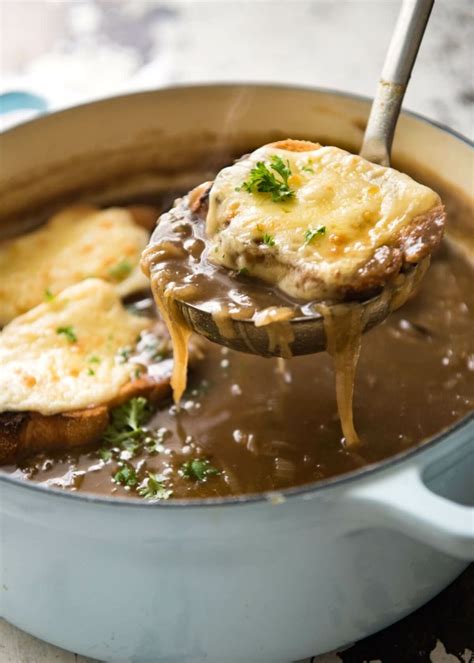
(309, 332)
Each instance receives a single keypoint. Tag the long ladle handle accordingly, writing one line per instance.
(399, 61)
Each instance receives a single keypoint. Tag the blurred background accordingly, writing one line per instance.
(76, 50)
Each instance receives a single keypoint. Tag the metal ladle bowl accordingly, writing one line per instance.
(308, 331)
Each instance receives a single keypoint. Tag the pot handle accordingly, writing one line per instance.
(403, 501)
(13, 102)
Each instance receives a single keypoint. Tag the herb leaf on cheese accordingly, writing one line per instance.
(308, 167)
(268, 240)
(123, 354)
(68, 332)
(130, 416)
(121, 270)
(262, 180)
(311, 233)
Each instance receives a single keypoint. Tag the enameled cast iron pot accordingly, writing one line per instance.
(254, 579)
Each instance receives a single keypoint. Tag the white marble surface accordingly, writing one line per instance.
(72, 51)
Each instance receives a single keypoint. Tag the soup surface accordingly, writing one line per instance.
(248, 424)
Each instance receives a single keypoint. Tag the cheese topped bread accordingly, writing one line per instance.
(319, 222)
(67, 354)
(76, 243)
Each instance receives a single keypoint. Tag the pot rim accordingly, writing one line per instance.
(250, 498)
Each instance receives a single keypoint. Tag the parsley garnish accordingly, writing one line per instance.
(68, 332)
(154, 488)
(198, 469)
(48, 295)
(90, 371)
(310, 234)
(124, 354)
(268, 240)
(105, 454)
(126, 476)
(309, 166)
(120, 271)
(94, 359)
(243, 271)
(262, 180)
(125, 427)
(130, 416)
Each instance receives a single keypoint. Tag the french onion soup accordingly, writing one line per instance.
(86, 362)
(323, 228)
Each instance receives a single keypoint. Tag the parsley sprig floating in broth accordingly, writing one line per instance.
(154, 488)
(124, 437)
(126, 476)
(127, 420)
(262, 180)
(199, 469)
(125, 430)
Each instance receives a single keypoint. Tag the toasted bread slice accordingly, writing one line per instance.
(68, 362)
(76, 243)
(25, 433)
(318, 222)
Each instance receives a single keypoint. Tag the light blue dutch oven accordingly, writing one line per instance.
(259, 579)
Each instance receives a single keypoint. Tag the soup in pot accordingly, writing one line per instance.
(247, 424)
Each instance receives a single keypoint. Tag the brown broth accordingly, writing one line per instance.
(266, 424)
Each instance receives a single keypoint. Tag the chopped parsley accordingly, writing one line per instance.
(90, 371)
(262, 180)
(311, 233)
(126, 476)
(48, 295)
(125, 427)
(124, 354)
(130, 416)
(199, 469)
(243, 271)
(94, 359)
(121, 270)
(154, 488)
(68, 333)
(308, 168)
(269, 240)
(105, 454)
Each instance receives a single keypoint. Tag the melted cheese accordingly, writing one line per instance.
(360, 205)
(44, 371)
(77, 243)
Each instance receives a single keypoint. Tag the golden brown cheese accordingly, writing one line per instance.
(76, 243)
(341, 211)
(64, 355)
